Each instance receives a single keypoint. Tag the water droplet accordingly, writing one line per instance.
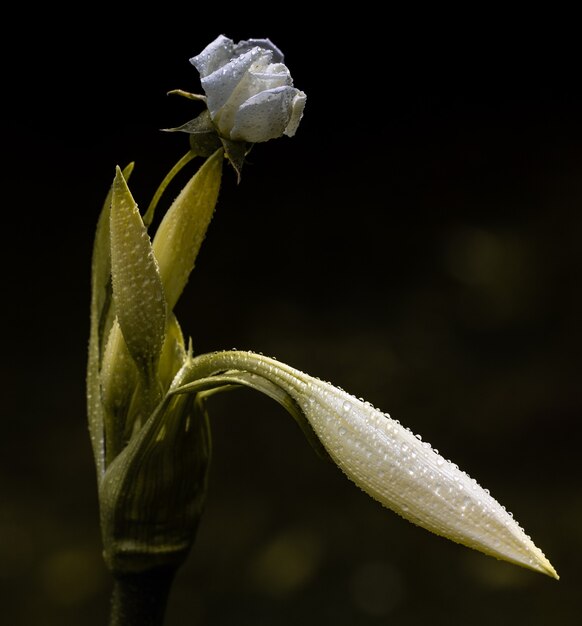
(347, 406)
(440, 461)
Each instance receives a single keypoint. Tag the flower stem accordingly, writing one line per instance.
(149, 214)
(140, 599)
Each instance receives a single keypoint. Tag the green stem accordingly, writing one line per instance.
(140, 599)
(149, 214)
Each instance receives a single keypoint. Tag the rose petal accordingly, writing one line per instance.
(262, 76)
(219, 85)
(247, 44)
(214, 56)
(264, 116)
(297, 107)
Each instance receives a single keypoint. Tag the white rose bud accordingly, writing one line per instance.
(249, 90)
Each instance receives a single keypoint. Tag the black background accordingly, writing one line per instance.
(416, 243)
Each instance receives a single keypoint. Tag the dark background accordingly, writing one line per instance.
(417, 243)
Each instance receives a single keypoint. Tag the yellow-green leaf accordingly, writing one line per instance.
(387, 461)
(152, 494)
(100, 304)
(182, 231)
(138, 294)
(173, 353)
(118, 379)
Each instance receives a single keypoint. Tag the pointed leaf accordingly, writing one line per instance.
(391, 464)
(119, 377)
(100, 304)
(101, 262)
(138, 294)
(181, 232)
(173, 353)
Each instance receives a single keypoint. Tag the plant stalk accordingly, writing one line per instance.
(140, 599)
(149, 214)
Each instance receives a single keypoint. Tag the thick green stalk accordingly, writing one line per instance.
(140, 599)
